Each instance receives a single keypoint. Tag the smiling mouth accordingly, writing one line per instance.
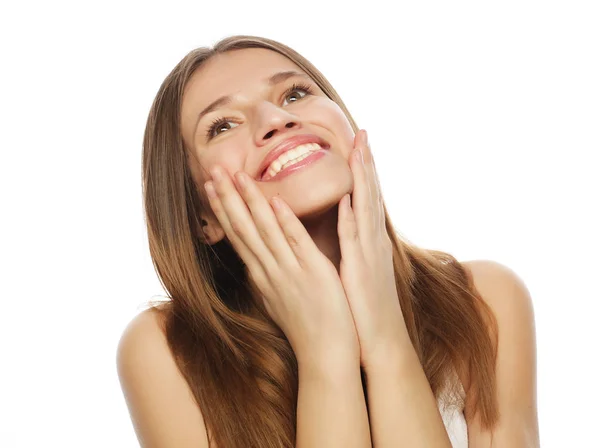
(288, 164)
(297, 164)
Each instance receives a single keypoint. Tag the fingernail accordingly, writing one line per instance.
(240, 179)
(365, 137)
(210, 190)
(276, 203)
(216, 173)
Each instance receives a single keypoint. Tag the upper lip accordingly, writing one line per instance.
(286, 145)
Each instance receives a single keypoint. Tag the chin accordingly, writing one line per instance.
(318, 201)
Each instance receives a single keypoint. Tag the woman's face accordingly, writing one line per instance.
(238, 135)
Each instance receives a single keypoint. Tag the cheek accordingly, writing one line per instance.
(335, 119)
(229, 155)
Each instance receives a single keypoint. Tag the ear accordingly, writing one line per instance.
(211, 231)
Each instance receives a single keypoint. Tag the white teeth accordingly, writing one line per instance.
(292, 162)
(291, 155)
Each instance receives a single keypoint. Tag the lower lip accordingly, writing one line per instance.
(316, 155)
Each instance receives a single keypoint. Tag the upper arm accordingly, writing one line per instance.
(161, 405)
(511, 303)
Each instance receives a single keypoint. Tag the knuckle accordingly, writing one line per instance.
(237, 227)
(307, 262)
(264, 233)
(292, 241)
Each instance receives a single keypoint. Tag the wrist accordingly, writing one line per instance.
(391, 355)
(328, 361)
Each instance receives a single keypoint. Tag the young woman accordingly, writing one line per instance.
(298, 317)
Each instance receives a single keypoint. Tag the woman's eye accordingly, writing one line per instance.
(297, 89)
(220, 123)
(216, 125)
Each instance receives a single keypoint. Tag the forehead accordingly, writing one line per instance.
(235, 72)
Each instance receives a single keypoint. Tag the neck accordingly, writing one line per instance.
(322, 227)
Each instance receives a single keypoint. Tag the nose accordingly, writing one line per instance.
(273, 120)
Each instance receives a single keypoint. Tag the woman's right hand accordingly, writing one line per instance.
(301, 288)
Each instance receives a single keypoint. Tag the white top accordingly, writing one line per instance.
(454, 420)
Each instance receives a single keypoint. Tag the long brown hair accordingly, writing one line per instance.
(238, 363)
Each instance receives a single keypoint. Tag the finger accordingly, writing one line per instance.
(237, 222)
(217, 207)
(362, 204)
(267, 223)
(373, 180)
(298, 239)
(350, 246)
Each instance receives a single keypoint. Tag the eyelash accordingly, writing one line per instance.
(219, 121)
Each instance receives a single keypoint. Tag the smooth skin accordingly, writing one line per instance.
(163, 414)
(259, 117)
(300, 286)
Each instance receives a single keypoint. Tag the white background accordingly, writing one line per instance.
(484, 120)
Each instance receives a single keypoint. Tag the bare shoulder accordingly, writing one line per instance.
(497, 282)
(505, 292)
(161, 405)
(510, 301)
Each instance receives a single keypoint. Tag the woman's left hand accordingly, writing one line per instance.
(366, 268)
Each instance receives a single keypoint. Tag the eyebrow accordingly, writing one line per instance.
(226, 99)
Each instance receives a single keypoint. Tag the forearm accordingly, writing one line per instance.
(402, 407)
(331, 411)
